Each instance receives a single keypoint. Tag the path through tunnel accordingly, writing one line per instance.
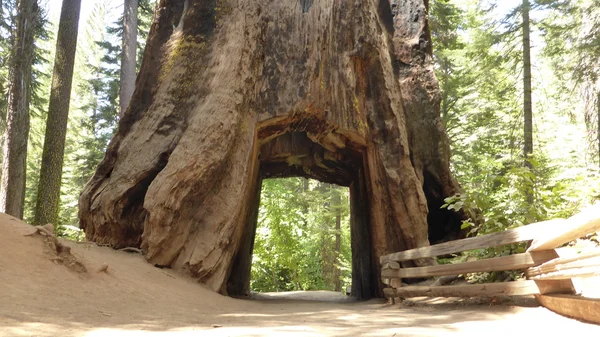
(302, 240)
(290, 152)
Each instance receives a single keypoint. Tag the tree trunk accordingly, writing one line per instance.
(527, 107)
(598, 129)
(338, 240)
(12, 191)
(128, 56)
(234, 91)
(48, 200)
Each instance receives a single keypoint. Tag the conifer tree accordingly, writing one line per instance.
(48, 198)
(12, 190)
(128, 56)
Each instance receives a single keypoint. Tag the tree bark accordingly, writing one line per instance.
(128, 55)
(234, 91)
(12, 190)
(527, 106)
(338, 240)
(48, 200)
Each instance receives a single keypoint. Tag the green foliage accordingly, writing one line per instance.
(572, 35)
(477, 61)
(295, 245)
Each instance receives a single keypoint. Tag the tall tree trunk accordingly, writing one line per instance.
(598, 129)
(48, 200)
(338, 239)
(12, 191)
(527, 106)
(234, 91)
(128, 56)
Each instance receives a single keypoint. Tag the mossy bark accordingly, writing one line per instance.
(233, 92)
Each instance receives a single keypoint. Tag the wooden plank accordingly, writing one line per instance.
(581, 308)
(511, 262)
(586, 264)
(556, 286)
(579, 225)
(393, 282)
(516, 288)
(510, 236)
(583, 272)
(390, 265)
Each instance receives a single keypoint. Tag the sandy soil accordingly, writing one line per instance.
(39, 297)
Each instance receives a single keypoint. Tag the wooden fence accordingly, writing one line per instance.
(551, 272)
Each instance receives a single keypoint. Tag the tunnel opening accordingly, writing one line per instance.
(312, 149)
(302, 237)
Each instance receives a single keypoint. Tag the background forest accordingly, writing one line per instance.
(500, 64)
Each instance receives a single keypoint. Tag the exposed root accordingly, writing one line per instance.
(62, 254)
(445, 280)
(131, 250)
(46, 230)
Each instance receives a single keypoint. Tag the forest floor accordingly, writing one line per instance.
(43, 293)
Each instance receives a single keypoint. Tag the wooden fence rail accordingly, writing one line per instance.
(549, 270)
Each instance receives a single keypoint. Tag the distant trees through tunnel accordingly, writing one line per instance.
(302, 238)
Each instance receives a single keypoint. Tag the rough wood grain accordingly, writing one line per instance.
(574, 272)
(525, 233)
(511, 262)
(583, 265)
(581, 308)
(579, 225)
(516, 288)
(234, 91)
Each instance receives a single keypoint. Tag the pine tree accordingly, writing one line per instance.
(527, 106)
(96, 102)
(12, 192)
(572, 36)
(128, 56)
(48, 200)
(7, 22)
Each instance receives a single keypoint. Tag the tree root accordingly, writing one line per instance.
(445, 280)
(131, 250)
(62, 253)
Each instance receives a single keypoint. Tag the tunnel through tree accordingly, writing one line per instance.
(234, 91)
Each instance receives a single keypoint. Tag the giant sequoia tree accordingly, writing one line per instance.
(231, 92)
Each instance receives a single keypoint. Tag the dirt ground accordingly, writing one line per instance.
(41, 297)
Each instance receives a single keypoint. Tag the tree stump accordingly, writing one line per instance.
(231, 92)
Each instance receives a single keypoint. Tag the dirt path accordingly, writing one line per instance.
(41, 298)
